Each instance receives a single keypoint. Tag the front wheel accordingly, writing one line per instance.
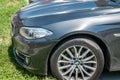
(77, 59)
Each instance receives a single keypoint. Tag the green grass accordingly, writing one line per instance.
(9, 68)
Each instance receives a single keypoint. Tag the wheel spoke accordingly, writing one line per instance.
(89, 67)
(85, 71)
(65, 57)
(70, 53)
(67, 71)
(90, 62)
(76, 77)
(85, 53)
(76, 53)
(81, 72)
(63, 67)
(88, 58)
(70, 75)
(64, 61)
(79, 52)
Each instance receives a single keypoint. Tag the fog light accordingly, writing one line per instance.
(27, 60)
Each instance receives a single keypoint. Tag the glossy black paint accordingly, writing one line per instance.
(99, 20)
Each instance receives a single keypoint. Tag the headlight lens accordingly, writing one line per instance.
(34, 33)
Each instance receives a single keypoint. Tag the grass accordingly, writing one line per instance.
(9, 68)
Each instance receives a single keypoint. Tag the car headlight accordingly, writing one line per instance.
(34, 33)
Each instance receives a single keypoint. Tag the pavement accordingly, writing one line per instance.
(110, 75)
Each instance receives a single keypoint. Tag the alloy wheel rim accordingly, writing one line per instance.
(77, 63)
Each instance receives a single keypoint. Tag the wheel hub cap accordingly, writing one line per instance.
(76, 62)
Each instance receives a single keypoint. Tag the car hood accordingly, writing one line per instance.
(50, 12)
(51, 8)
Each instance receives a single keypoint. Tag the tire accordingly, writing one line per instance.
(77, 59)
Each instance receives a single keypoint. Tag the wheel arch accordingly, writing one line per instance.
(100, 42)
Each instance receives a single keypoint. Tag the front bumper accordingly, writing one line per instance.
(36, 51)
(21, 60)
(32, 54)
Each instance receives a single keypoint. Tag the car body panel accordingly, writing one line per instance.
(98, 18)
(103, 28)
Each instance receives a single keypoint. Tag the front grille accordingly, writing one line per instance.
(21, 56)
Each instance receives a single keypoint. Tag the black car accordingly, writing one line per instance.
(74, 39)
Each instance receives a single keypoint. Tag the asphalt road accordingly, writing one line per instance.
(110, 76)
